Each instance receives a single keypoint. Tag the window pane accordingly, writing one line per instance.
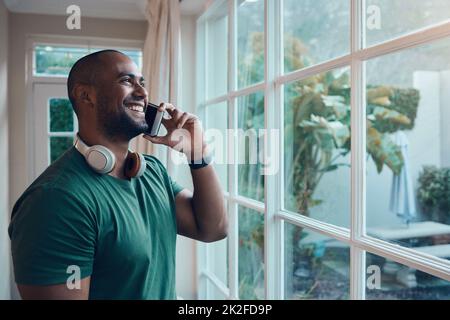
(52, 60)
(217, 255)
(408, 145)
(57, 61)
(250, 142)
(250, 42)
(388, 280)
(217, 53)
(322, 32)
(135, 55)
(59, 145)
(216, 135)
(251, 254)
(61, 115)
(317, 267)
(317, 147)
(214, 292)
(218, 260)
(387, 19)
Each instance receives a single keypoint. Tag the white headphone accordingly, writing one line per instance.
(102, 160)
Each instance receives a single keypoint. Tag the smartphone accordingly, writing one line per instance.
(153, 117)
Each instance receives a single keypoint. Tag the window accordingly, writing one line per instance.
(321, 34)
(62, 127)
(404, 283)
(387, 19)
(407, 111)
(51, 60)
(250, 42)
(250, 114)
(358, 208)
(217, 62)
(317, 146)
(217, 119)
(318, 267)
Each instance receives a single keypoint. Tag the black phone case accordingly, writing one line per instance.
(153, 118)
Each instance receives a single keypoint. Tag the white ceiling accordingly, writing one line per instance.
(116, 9)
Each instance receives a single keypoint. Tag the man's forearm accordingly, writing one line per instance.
(208, 204)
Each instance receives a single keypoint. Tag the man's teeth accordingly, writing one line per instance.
(136, 108)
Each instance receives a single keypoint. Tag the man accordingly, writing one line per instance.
(116, 234)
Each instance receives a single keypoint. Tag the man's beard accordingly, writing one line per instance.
(119, 124)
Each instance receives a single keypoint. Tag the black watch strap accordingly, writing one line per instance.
(206, 160)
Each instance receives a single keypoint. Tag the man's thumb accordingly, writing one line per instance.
(155, 140)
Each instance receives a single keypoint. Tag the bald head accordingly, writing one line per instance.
(85, 71)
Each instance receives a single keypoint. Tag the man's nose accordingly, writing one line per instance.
(140, 92)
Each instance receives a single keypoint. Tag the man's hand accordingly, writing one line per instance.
(184, 133)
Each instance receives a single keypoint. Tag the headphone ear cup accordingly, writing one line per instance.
(135, 165)
(101, 159)
(142, 165)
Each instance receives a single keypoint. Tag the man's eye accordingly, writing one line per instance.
(126, 80)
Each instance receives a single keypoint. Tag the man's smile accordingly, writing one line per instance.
(136, 107)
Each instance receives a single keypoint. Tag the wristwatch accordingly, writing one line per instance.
(196, 164)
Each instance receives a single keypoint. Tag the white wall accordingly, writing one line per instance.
(426, 144)
(445, 116)
(335, 190)
(4, 170)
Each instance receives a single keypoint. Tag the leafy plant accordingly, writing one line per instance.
(433, 192)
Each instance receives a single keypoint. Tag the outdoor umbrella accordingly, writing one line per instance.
(402, 200)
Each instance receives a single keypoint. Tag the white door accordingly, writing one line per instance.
(54, 124)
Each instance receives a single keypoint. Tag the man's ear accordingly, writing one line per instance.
(84, 94)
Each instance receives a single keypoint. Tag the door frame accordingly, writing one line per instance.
(41, 122)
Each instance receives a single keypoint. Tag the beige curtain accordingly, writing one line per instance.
(161, 62)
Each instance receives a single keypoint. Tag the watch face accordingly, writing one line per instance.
(153, 118)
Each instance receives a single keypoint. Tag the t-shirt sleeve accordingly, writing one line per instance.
(53, 237)
(176, 188)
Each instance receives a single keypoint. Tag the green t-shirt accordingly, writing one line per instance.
(122, 233)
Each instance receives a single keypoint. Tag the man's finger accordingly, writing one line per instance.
(175, 115)
(171, 110)
(165, 121)
(185, 117)
(162, 107)
(168, 107)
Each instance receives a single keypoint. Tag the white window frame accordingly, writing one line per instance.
(275, 215)
(31, 79)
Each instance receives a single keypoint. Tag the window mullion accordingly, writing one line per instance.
(272, 235)
(279, 121)
(358, 141)
(233, 236)
(201, 248)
